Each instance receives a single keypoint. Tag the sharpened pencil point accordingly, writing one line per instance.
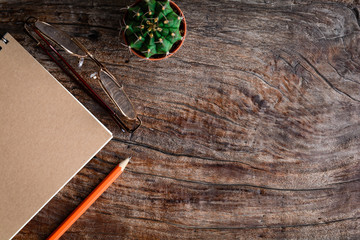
(124, 163)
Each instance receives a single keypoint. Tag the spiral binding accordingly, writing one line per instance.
(4, 40)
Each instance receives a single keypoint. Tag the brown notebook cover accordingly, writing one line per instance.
(46, 137)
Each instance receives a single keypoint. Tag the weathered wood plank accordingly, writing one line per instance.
(250, 131)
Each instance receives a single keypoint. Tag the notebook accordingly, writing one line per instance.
(46, 136)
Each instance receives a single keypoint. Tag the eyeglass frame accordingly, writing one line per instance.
(98, 63)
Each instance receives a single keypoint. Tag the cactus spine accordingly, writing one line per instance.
(152, 27)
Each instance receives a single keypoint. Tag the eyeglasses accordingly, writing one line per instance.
(111, 95)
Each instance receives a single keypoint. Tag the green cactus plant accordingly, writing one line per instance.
(152, 27)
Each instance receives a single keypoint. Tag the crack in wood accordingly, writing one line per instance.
(233, 184)
(226, 228)
(327, 80)
(180, 154)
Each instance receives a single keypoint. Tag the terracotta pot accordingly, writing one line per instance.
(176, 45)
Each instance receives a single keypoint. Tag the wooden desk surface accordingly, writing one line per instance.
(250, 131)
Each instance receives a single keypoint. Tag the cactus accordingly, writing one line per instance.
(152, 27)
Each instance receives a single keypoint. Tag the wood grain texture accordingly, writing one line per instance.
(250, 131)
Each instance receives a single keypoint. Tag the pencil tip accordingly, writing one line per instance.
(124, 163)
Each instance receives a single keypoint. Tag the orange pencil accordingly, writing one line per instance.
(95, 194)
